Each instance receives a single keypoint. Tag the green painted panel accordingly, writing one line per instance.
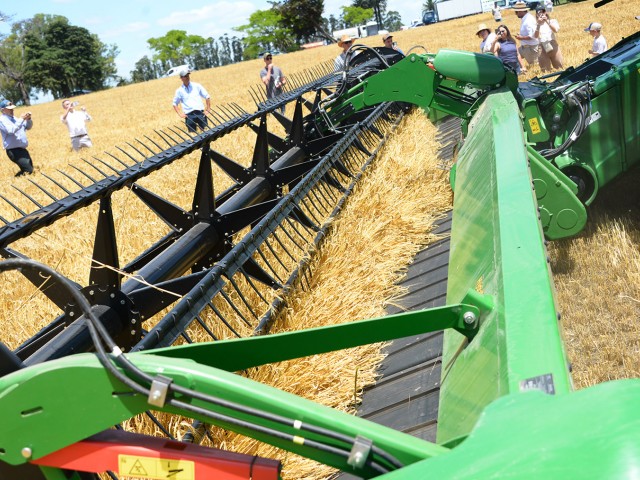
(496, 236)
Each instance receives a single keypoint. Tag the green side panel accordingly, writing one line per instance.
(611, 143)
(592, 433)
(475, 68)
(496, 236)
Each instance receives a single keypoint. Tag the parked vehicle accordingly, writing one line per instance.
(449, 9)
(361, 31)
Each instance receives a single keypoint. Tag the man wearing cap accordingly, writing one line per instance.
(190, 95)
(387, 39)
(529, 44)
(14, 137)
(487, 38)
(344, 43)
(272, 77)
(599, 43)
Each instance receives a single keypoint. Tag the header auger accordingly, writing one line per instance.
(534, 154)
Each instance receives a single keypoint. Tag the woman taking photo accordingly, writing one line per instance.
(505, 49)
(546, 30)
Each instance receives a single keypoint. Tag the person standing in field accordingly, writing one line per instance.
(550, 54)
(529, 45)
(272, 77)
(505, 48)
(496, 12)
(76, 123)
(599, 42)
(387, 39)
(344, 43)
(14, 137)
(487, 38)
(190, 95)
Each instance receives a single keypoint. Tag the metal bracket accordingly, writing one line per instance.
(360, 452)
(158, 392)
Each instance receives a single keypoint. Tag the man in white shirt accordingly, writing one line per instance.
(14, 136)
(75, 122)
(529, 44)
(599, 42)
(190, 95)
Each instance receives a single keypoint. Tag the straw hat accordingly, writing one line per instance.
(344, 39)
(520, 7)
(482, 27)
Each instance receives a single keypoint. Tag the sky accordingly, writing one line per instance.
(129, 23)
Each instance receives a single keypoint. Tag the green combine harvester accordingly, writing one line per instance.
(533, 155)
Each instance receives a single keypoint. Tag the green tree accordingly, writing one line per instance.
(303, 18)
(354, 16)
(62, 57)
(265, 32)
(177, 48)
(379, 8)
(393, 21)
(428, 6)
(144, 70)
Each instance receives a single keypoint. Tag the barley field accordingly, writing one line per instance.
(385, 222)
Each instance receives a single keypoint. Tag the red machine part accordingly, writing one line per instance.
(141, 456)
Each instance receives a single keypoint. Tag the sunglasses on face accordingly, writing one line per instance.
(269, 58)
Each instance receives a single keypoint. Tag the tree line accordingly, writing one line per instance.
(47, 54)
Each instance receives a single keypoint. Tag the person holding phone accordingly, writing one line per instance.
(505, 48)
(546, 29)
(14, 137)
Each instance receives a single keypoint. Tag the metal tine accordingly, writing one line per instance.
(42, 189)
(165, 135)
(186, 132)
(241, 111)
(127, 154)
(59, 185)
(212, 119)
(253, 96)
(223, 319)
(217, 116)
(19, 210)
(95, 168)
(83, 173)
(145, 146)
(141, 154)
(181, 128)
(151, 140)
(225, 109)
(106, 164)
(33, 200)
(6, 222)
(117, 160)
(71, 178)
(161, 135)
(182, 139)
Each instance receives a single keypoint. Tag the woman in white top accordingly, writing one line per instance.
(546, 30)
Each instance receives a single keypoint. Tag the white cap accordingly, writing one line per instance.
(183, 72)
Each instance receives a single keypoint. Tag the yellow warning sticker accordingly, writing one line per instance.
(156, 468)
(534, 125)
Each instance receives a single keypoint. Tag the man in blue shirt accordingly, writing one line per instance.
(190, 95)
(14, 136)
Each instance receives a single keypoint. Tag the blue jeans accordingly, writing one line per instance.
(196, 119)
